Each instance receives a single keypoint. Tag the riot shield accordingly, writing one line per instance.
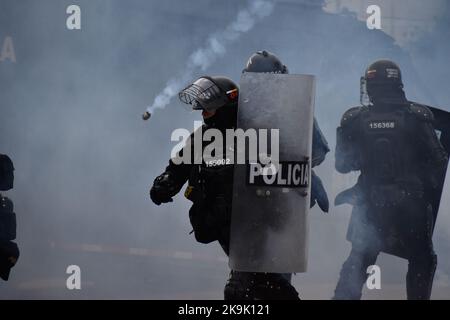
(269, 227)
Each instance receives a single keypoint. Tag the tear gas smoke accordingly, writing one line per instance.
(214, 48)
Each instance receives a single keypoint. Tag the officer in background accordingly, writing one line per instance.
(210, 187)
(9, 252)
(267, 62)
(392, 142)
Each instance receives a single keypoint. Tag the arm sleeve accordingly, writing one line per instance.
(319, 145)
(179, 169)
(346, 156)
(179, 173)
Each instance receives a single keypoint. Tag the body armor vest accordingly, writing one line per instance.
(390, 160)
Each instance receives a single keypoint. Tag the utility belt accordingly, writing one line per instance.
(210, 213)
(210, 220)
(207, 182)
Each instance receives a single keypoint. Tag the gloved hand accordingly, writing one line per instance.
(318, 193)
(163, 189)
(159, 195)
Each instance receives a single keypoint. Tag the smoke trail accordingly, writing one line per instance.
(214, 48)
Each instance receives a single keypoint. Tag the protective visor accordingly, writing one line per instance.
(203, 94)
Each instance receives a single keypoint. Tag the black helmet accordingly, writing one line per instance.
(209, 93)
(384, 73)
(264, 61)
(383, 82)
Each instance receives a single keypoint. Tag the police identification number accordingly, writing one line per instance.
(382, 125)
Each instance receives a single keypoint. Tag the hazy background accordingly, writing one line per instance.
(70, 120)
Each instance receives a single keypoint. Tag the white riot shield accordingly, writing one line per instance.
(269, 227)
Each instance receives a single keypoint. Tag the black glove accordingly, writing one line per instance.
(159, 195)
(318, 193)
(163, 189)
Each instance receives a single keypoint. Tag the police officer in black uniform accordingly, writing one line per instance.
(393, 144)
(9, 252)
(210, 186)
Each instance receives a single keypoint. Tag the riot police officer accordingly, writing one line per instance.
(239, 282)
(267, 62)
(209, 188)
(9, 252)
(210, 183)
(392, 142)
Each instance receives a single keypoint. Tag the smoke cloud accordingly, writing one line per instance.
(214, 48)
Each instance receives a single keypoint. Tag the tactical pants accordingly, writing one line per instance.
(256, 285)
(9, 252)
(417, 249)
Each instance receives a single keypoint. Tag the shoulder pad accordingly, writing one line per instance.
(422, 112)
(350, 115)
